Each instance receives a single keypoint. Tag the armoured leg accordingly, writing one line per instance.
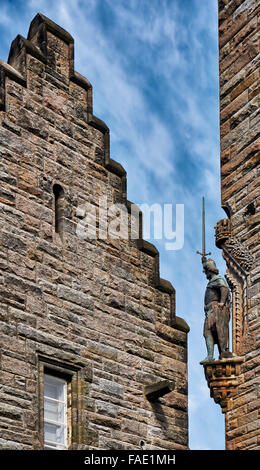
(210, 347)
(208, 335)
(224, 350)
(223, 340)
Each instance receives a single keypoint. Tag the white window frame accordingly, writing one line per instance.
(50, 444)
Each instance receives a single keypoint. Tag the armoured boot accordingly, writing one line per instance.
(210, 350)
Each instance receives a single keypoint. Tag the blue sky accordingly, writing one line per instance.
(153, 65)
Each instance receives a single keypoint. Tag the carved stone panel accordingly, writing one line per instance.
(239, 262)
(239, 252)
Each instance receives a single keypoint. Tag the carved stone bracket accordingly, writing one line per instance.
(158, 390)
(223, 378)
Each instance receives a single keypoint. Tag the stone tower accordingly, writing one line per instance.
(235, 383)
(92, 355)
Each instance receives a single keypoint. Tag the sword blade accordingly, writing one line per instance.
(203, 254)
(203, 228)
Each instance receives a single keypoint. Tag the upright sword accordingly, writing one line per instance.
(203, 254)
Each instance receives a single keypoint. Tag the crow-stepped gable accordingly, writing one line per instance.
(93, 355)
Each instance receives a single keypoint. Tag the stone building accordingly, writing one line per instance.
(92, 353)
(235, 383)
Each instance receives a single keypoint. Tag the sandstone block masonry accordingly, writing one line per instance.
(95, 311)
(239, 234)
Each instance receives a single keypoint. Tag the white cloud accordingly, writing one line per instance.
(5, 18)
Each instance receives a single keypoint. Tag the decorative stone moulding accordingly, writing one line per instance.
(239, 253)
(223, 378)
(232, 247)
(239, 262)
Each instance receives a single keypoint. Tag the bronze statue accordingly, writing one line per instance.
(216, 305)
(217, 311)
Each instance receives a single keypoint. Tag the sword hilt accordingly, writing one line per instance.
(203, 256)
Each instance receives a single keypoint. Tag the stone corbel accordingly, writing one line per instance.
(158, 390)
(223, 378)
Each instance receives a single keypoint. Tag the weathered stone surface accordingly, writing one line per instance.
(94, 307)
(240, 193)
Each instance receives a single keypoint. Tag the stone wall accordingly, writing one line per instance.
(238, 235)
(96, 310)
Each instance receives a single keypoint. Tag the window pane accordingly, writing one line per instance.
(54, 411)
(54, 433)
(54, 387)
(50, 432)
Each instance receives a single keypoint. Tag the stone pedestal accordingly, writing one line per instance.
(223, 378)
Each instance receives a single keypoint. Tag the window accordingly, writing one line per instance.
(55, 412)
(62, 390)
(59, 208)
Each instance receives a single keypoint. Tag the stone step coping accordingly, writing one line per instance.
(39, 25)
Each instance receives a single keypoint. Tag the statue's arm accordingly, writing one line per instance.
(224, 294)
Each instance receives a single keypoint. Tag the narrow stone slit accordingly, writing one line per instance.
(58, 192)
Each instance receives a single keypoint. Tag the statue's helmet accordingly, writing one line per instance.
(210, 265)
